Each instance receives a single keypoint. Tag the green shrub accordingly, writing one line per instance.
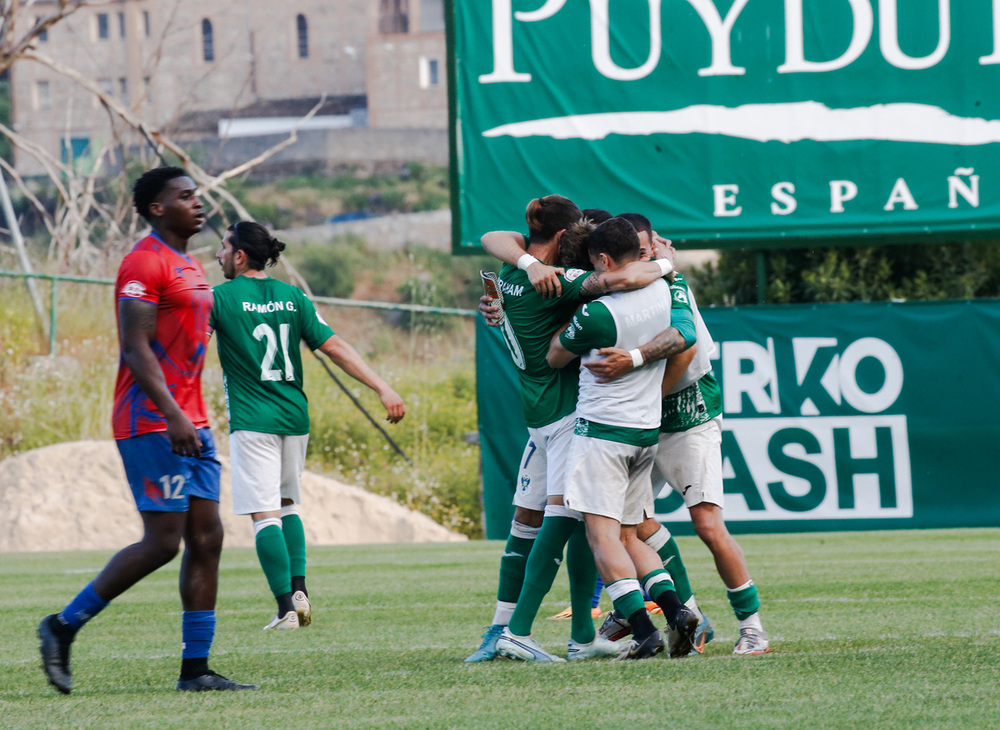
(330, 269)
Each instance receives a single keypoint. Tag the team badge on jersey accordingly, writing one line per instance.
(134, 289)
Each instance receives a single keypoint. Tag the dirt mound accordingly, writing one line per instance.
(74, 496)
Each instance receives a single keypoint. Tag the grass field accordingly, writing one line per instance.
(870, 630)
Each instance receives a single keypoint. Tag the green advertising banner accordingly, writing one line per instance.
(836, 417)
(730, 122)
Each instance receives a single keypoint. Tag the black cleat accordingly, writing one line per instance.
(681, 632)
(55, 656)
(648, 647)
(211, 681)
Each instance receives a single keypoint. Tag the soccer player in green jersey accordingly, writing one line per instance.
(258, 322)
(614, 444)
(689, 459)
(549, 400)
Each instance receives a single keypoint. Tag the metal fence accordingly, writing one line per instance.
(332, 301)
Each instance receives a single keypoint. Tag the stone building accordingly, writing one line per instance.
(238, 74)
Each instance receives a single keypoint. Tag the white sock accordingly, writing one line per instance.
(505, 610)
(693, 605)
(752, 622)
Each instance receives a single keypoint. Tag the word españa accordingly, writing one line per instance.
(726, 205)
(268, 307)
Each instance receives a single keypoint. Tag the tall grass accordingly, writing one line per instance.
(50, 400)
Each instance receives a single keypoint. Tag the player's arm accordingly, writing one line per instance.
(510, 247)
(558, 356)
(138, 330)
(675, 369)
(350, 361)
(633, 275)
(669, 343)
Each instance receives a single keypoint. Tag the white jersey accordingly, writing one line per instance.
(626, 320)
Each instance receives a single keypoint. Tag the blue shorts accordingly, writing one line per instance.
(161, 480)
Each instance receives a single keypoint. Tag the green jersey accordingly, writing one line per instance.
(697, 397)
(258, 324)
(698, 403)
(547, 394)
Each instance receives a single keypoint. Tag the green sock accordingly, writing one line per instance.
(540, 572)
(629, 603)
(671, 557)
(582, 578)
(515, 557)
(295, 542)
(744, 601)
(659, 592)
(273, 556)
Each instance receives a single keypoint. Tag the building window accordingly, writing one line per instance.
(432, 16)
(302, 32)
(430, 72)
(207, 40)
(123, 89)
(43, 36)
(148, 82)
(121, 25)
(43, 95)
(145, 23)
(102, 26)
(107, 87)
(394, 16)
(74, 148)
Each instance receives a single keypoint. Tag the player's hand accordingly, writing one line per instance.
(489, 310)
(545, 279)
(615, 362)
(184, 438)
(664, 248)
(395, 409)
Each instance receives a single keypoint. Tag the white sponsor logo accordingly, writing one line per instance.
(134, 289)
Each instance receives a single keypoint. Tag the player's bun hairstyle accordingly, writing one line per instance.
(639, 222)
(616, 238)
(596, 215)
(257, 243)
(549, 215)
(150, 185)
(573, 246)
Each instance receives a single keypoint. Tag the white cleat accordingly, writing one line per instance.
(523, 648)
(752, 642)
(599, 648)
(302, 607)
(287, 622)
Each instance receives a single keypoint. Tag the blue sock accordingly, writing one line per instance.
(597, 593)
(84, 607)
(197, 632)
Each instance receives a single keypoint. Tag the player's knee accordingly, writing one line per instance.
(529, 517)
(710, 528)
(161, 549)
(207, 542)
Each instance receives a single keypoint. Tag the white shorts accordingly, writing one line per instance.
(543, 465)
(691, 463)
(610, 478)
(266, 468)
